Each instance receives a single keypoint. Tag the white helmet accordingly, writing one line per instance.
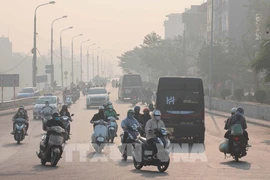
(157, 114)
(101, 108)
(233, 110)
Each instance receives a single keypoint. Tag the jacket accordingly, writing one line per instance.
(237, 118)
(127, 126)
(151, 125)
(138, 117)
(98, 116)
(64, 113)
(47, 109)
(53, 122)
(19, 115)
(109, 113)
(145, 118)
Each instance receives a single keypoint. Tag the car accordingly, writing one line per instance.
(28, 92)
(40, 103)
(97, 97)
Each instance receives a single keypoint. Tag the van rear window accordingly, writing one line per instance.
(132, 81)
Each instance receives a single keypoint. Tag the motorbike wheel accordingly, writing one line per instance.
(55, 156)
(137, 165)
(43, 162)
(163, 166)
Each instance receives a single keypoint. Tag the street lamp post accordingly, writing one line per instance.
(93, 61)
(211, 57)
(88, 61)
(34, 50)
(52, 65)
(81, 56)
(72, 58)
(61, 54)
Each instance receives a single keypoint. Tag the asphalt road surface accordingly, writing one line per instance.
(80, 162)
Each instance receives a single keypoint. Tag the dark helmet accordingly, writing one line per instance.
(55, 115)
(240, 110)
(137, 108)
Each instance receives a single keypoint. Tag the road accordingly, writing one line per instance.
(80, 162)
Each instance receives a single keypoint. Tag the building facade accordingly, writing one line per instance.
(173, 26)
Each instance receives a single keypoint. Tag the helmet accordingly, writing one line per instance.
(21, 107)
(145, 110)
(137, 108)
(240, 110)
(157, 114)
(130, 113)
(109, 103)
(101, 108)
(233, 110)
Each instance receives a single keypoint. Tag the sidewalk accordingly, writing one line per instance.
(257, 122)
(13, 111)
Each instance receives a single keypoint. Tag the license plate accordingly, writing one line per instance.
(19, 131)
(171, 130)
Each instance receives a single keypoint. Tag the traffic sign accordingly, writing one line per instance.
(49, 69)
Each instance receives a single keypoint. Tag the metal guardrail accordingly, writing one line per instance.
(19, 102)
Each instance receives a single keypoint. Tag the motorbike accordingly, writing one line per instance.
(99, 137)
(55, 147)
(19, 133)
(69, 101)
(143, 154)
(134, 100)
(66, 121)
(130, 140)
(112, 128)
(237, 142)
(45, 118)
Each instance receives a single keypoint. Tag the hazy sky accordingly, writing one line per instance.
(115, 25)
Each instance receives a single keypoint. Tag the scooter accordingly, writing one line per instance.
(111, 129)
(55, 147)
(99, 137)
(19, 133)
(143, 154)
(66, 121)
(125, 149)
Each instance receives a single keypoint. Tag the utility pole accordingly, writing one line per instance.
(211, 57)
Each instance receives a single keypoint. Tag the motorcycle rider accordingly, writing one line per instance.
(237, 118)
(137, 115)
(55, 121)
(151, 126)
(226, 127)
(127, 128)
(21, 113)
(98, 116)
(145, 117)
(149, 96)
(64, 112)
(47, 108)
(134, 93)
(110, 112)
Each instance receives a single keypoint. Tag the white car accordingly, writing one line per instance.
(40, 103)
(97, 97)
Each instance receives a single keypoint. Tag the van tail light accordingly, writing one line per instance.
(236, 139)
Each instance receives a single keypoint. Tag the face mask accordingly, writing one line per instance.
(57, 118)
(157, 118)
(111, 109)
(47, 104)
(21, 111)
(130, 116)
